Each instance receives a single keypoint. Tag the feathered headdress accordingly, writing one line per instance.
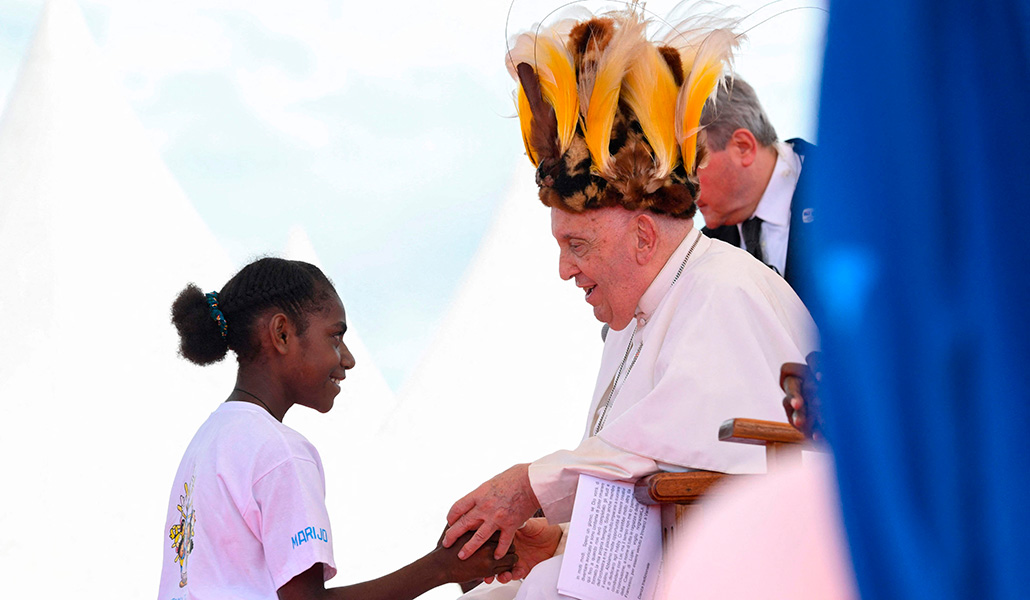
(610, 118)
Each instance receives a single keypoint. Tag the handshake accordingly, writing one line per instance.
(497, 515)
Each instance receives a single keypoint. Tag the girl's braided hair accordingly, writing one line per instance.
(293, 287)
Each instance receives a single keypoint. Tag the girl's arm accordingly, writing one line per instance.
(434, 569)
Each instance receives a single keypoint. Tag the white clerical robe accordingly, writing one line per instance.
(707, 344)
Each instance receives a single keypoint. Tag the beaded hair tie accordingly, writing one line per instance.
(216, 314)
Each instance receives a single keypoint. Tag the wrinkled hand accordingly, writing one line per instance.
(477, 566)
(535, 542)
(501, 504)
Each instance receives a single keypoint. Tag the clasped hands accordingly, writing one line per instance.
(505, 504)
(800, 382)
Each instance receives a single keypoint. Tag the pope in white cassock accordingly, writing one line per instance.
(698, 328)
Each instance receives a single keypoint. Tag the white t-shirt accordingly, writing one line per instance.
(247, 510)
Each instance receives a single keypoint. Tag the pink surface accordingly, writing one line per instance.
(776, 536)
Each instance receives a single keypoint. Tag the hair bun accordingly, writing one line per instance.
(200, 340)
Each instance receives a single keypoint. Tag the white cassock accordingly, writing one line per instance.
(706, 346)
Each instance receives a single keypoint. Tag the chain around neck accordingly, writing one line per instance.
(618, 374)
(243, 391)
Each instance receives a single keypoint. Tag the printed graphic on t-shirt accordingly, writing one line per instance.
(182, 534)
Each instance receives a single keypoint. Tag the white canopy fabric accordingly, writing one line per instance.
(508, 377)
(96, 239)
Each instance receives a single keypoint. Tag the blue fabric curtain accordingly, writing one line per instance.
(923, 293)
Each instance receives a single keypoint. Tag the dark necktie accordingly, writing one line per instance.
(752, 234)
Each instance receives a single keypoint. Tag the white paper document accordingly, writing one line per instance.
(614, 548)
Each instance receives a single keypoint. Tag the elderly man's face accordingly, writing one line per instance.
(597, 251)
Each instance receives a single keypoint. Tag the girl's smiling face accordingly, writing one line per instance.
(323, 358)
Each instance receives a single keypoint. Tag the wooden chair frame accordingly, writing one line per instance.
(783, 445)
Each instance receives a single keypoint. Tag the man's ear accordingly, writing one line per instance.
(280, 333)
(646, 238)
(744, 146)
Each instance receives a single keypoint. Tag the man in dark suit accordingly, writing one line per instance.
(752, 189)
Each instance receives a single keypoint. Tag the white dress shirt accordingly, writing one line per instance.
(774, 208)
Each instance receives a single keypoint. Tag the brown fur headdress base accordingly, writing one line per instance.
(612, 119)
(567, 182)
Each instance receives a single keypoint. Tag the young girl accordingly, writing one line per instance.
(247, 516)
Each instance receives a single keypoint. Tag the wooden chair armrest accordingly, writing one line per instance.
(783, 442)
(675, 488)
(762, 433)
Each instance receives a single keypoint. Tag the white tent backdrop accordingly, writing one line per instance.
(96, 239)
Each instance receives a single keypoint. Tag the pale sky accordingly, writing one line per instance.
(383, 129)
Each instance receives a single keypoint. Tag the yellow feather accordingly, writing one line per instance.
(526, 122)
(650, 91)
(558, 85)
(604, 97)
(705, 73)
(547, 54)
(698, 90)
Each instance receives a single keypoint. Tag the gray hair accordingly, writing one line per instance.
(734, 107)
